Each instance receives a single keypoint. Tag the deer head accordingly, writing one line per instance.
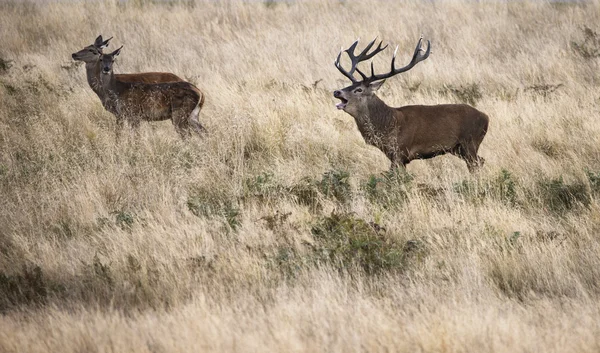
(91, 53)
(107, 61)
(355, 97)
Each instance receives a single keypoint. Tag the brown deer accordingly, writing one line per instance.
(91, 54)
(413, 131)
(135, 101)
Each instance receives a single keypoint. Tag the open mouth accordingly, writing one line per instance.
(342, 104)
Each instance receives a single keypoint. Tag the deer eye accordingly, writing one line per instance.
(358, 90)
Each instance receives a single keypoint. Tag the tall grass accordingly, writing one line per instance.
(281, 230)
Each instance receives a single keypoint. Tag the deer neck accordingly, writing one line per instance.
(92, 71)
(374, 120)
(110, 96)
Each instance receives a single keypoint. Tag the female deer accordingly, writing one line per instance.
(179, 102)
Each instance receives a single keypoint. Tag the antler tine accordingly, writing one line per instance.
(344, 72)
(365, 56)
(417, 57)
(351, 48)
(356, 59)
(364, 77)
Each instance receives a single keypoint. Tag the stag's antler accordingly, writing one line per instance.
(355, 59)
(419, 55)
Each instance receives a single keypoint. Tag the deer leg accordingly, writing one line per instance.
(197, 127)
(398, 163)
(469, 155)
(119, 128)
(397, 167)
(135, 125)
(180, 122)
(399, 160)
(475, 163)
(194, 121)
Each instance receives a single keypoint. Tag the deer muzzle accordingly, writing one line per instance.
(338, 94)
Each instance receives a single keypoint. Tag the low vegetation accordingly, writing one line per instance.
(281, 230)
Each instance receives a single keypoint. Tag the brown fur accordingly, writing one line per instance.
(137, 101)
(416, 131)
(149, 77)
(179, 102)
(91, 55)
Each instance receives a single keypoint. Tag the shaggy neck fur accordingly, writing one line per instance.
(374, 121)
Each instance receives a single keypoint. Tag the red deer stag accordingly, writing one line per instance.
(413, 131)
(134, 101)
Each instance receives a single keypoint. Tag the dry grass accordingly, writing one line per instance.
(282, 231)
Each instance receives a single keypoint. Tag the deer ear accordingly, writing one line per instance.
(376, 85)
(98, 41)
(104, 44)
(116, 52)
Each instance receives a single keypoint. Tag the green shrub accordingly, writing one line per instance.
(288, 261)
(560, 197)
(506, 187)
(277, 220)
(124, 220)
(27, 287)
(333, 185)
(345, 241)
(390, 189)
(205, 205)
(263, 187)
(503, 188)
(543, 89)
(594, 179)
(306, 192)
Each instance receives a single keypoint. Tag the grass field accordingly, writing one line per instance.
(282, 231)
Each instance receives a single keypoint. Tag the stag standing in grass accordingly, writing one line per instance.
(91, 55)
(135, 101)
(413, 131)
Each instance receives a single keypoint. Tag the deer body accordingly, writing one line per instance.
(420, 132)
(136, 101)
(124, 95)
(93, 78)
(410, 132)
(179, 102)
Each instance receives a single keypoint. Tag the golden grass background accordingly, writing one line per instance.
(257, 238)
